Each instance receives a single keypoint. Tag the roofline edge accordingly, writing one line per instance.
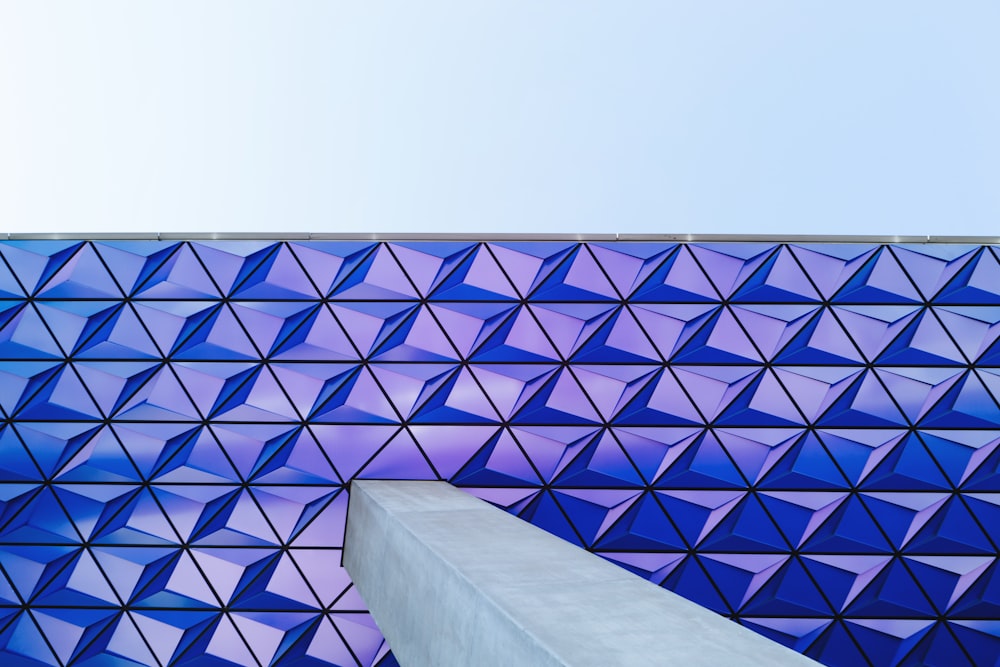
(598, 238)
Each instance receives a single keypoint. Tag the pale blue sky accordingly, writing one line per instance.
(769, 116)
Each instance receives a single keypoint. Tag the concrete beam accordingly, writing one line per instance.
(452, 580)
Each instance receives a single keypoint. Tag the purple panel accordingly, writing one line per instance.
(799, 436)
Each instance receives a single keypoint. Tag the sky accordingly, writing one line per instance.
(500, 116)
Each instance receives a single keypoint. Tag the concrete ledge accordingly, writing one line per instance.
(451, 580)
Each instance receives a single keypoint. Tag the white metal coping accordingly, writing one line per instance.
(597, 238)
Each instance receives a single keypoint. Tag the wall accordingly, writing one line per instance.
(801, 437)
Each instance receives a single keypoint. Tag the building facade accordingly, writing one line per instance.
(800, 436)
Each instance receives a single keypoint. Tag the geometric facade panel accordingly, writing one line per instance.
(804, 437)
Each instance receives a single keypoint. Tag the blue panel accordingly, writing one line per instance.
(799, 437)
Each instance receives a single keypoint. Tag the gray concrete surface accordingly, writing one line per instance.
(453, 581)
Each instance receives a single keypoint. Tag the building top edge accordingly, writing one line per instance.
(601, 238)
